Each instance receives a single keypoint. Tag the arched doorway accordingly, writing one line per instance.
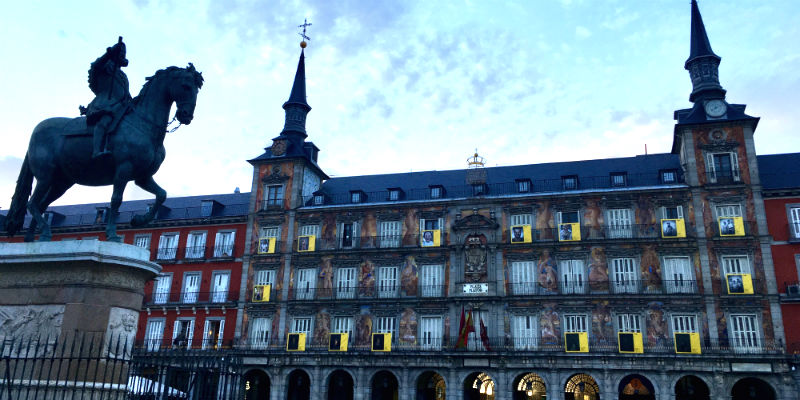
(479, 386)
(529, 386)
(691, 387)
(340, 385)
(298, 386)
(384, 386)
(751, 389)
(581, 387)
(256, 385)
(636, 387)
(431, 386)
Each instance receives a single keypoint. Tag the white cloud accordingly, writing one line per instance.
(582, 32)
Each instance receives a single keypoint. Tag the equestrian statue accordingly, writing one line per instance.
(120, 139)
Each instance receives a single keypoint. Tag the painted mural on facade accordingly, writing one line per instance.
(409, 281)
(407, 327)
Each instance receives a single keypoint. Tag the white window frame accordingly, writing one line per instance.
(385, 325)
(432, 280)
(575, 323)
(794, 222)
(560, 216)
(218, 294)
(629, 322)
(346, 283)
(342, 324)
(189, 291)
(387, 281)
(273, 201)
(684, 323)
(424, 221)
(168, 246)
(572, 276)
(728, 210)
(523, 277)
(523, 186)
(525, 331)
(713, 174)
(624, 275)
(308, 230)
(735, 264)
(272, 231)
(303, 325)
(154, 333)
(260, 332)
(678, 275)
(745, 335)
(436, 192)
(142, 240)
(430, 332)
(161, 288)
(196, 245)
(678, 212)
(224, 242)
(355, 235)
(264, 277)
(189, 332)
(619, 222)
(390, 234)
(306, 283)
(208, 334)
(521, 219)
(394, 194)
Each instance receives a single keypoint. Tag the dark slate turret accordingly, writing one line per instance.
(702, 64)
(296, 107)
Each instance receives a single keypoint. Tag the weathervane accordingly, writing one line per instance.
(305, 25)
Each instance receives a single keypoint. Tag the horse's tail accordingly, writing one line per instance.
(19, 202)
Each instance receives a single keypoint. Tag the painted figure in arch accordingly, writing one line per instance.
(651, 269)
(593, 217)
(598, 270)
(548, 274)
(549, 325)
(407, 327)
(657, 328)
(325, 278)
(409, 278)
(322, 327)
(366, 279)
(364, 327)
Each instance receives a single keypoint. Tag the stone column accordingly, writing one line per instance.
(84, 292)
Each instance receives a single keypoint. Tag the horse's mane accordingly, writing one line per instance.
(198, 79)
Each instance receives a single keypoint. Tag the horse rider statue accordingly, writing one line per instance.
(112, 97)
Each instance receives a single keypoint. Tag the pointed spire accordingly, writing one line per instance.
(296, 107)
(298, 94)
(702, 64)
(700, 45)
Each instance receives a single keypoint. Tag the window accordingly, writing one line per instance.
(302, 325)
(219, 286)
(260, 332)
(744, 329)
(191, 287)
(672, 212)
(212, 333)
(390, 232)
(384, 325)
(348, 235)
(319, 199)
(142, 241)
(684, 324)
(669, 176)
(432, 280)
(167, 246)
(729, 210)
(274, 196)
(572, 277)
(206, 208)
(568, 217)
(619, 179)
(523, 277)
(520, 219)
(722, 167)
(436, 192)
(264, 277)
(355, 197)
(620, 223)
(629, 323)
(735, 265)
(678, 275)
(623, 275)
(101, 216)
(182, 333)
(345, 283)
(479, 189)
(387, 282)
(430, 333)
(306, 279)
(309, 230)
(430, 224)
(523, 185)
(794, 222)
(196, 245)
(574, 323)
(154, 333)
(161, 289)
(343, 325)
(524, 327)
(569, 182)
(270, 232)
(224, 244)
(394, 194)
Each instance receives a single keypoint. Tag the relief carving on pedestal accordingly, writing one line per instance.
(121, 331)
(32, 323)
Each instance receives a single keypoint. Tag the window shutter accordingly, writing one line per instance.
(735, 166)
(712, 176)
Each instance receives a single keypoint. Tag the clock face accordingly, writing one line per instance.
(716, 108)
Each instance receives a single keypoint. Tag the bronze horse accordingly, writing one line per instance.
(60, 153)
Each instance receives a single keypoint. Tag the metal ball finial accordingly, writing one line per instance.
(303, 44)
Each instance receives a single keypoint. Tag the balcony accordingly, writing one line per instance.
(749, 228)
(167, 253)
(369, 242)
(365, 292)
(627, 287)
(730, 177)
(604, 232)
(224, 251)
(195, 252)
(794, 232)
(262, 249)
(190, 298)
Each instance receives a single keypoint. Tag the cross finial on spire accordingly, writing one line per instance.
(305, 25)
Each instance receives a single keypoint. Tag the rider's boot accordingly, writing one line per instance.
(98, 142)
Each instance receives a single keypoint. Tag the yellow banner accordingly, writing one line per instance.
(296, 342)
(306, 243)
(430, 238)
(731, 226)
(266, 245)
(261, 293)
(337, 342)
(569, 232)
(673, 228)
(687, 343)
(630, 342)
(381, 342)
(576, 342)
(739, 283)
(521, 234)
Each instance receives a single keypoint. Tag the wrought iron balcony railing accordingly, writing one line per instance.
(195, 252)
(368, 242)
(190, 298)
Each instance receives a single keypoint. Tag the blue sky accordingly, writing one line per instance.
(399, 86)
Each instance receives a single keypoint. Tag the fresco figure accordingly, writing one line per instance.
(602, 326)
(410, 228)
(366, 279)
(598, 270)
(409, 278)
(369, 231)
(549, 325)
(646, 217)
(593, 218)
(651, 270)
(276, 321)
(325, 278)
(363, 328)
(548, 273)
(544, 221)
(407, 327)
(657, 329)
(322, 327)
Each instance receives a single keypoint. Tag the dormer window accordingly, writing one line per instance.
(570, 182)
(395, 194)
(101, 215)
(437, 192)
(619, 179)
(319, 199)
(479, 189)
(206, 208)
(523, 185)
(357, 196)
(669, 176)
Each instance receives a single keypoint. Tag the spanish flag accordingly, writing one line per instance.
(465, 327)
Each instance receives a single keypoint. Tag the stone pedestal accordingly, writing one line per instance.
(68, 313)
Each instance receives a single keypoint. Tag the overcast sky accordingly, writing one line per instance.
(400, 86)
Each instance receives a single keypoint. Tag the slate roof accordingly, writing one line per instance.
(641, 171)
(697, 115)
(779, 171)
(175, 208)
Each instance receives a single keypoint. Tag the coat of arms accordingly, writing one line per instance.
(475, 257)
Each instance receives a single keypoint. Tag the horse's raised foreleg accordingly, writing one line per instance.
(36, 210)
(151, 186)
(113, 212)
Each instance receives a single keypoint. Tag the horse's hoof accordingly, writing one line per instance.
(44, 238)
(115, 239)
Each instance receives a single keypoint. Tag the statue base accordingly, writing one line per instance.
(68, 317)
